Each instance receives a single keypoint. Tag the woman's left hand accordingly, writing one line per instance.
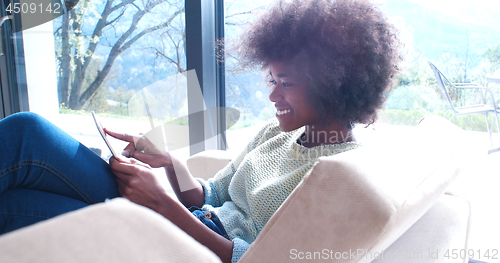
(137, 182)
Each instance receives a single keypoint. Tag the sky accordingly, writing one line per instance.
(481, 12)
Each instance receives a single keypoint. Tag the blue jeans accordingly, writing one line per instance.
(44, 172)
(209, 219)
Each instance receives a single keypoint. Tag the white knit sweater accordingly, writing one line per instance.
(249, 190)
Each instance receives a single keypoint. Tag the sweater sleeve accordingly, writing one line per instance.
(217, 188)
(239, 248)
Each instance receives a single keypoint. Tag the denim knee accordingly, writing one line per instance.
(25, 117)
(23, 120)
(28, 132)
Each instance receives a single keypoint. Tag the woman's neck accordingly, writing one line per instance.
(316, 135)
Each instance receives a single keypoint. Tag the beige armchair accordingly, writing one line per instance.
(383, 202)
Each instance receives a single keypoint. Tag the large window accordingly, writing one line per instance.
(104, 60)
(123, 59)
(97, 57)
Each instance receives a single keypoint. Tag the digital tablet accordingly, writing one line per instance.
(104, 135)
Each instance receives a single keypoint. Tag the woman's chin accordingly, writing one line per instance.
(286, 128)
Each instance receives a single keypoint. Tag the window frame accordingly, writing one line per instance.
(14, 89)
(204, 26)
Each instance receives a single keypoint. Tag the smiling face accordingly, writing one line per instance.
(289, 95)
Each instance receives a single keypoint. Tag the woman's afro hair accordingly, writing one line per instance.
(345, 52)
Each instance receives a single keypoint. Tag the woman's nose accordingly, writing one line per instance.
(276, 94)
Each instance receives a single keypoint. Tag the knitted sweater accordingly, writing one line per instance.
(249, 190)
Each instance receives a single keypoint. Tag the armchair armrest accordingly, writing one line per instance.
(114, 231)
(207, 163)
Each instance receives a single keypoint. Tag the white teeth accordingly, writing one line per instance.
(283, 112)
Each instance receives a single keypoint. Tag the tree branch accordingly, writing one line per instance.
(121, 46)
(56, 32)
(159, 53)
(116, 19)
(122, 4)
(97, 34)
(237, 14)
(151, 29)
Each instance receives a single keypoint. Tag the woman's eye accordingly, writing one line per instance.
(287, 84)
(273, 82)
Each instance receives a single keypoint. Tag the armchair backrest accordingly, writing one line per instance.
(354, 205)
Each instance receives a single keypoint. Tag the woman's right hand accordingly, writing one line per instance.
(142, 149)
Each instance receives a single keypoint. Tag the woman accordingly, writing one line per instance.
(328, 65)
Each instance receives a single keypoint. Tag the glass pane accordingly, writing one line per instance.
(245, 90)
(121, 59)
(458, 38)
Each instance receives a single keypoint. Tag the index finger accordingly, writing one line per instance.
(122, 136)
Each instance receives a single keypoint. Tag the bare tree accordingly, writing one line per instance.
(77, 50)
